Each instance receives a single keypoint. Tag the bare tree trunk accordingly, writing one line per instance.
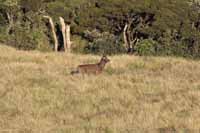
(134, 41)
(63, 29)
(130, 37)
(68, 41)
(53, 32)
(130, 47)
(66, 35)
(10, 21)
(125, 37)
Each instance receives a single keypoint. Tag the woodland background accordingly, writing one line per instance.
(155, 27)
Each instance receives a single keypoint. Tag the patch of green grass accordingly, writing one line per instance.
(136, 66)
(183, 114)
(113, 71)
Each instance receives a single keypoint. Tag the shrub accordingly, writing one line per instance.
(79, 44)
(105, 44)
(23, 41)
(146, 47)
(41, 40)
(28, 40)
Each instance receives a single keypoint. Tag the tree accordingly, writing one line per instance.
(174, 25)
(10, 7)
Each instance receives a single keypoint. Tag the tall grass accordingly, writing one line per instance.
(133, 94)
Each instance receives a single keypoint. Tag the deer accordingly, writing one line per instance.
(92, 68)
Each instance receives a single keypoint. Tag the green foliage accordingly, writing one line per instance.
(110, 71)
(136, 66)
(41, 40)
(31, 5)
(104, 46)
(79, 44)
(2, 22)
(146, 47)
(172, 25)
(9, 2)
(23, 40)
(104, 43)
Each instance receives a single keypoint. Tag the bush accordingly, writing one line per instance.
(146, 47)
(23, 41)
(41, 40)
(105, 44)
(79, 44)
(28, 40)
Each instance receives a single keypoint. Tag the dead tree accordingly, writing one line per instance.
(132, 27)
(126, 43)
(53, 32)
(66, 35)
(68, 41)
(130, 37)
(63, 29)
(10, 22)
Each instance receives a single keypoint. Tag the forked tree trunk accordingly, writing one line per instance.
(129, 40)
(53, 32)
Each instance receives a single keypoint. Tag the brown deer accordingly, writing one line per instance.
(92, 68)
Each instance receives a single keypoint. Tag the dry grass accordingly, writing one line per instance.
(134, 94)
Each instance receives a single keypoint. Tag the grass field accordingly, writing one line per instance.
(133, 94)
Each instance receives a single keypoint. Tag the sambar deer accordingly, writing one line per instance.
(92, 68)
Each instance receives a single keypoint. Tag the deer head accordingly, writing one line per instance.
(105, 59)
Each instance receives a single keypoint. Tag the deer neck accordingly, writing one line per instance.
(101, 64)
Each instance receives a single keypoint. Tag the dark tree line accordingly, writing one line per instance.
(148, 27)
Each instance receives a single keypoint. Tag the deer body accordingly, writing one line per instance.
(92, 68)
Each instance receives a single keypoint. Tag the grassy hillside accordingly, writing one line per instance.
(37, 94)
